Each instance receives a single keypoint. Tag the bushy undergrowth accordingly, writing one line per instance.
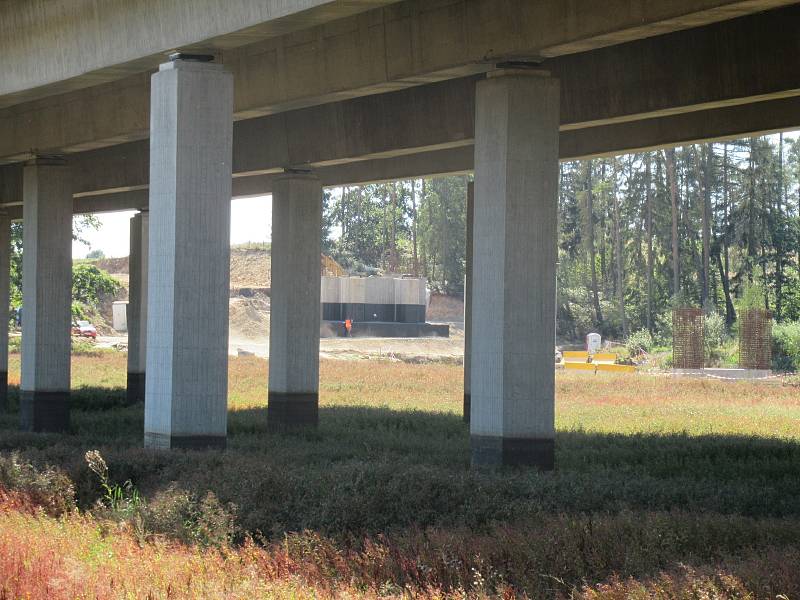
(639, 342)
(80, 347)
(47, 488)
(660, 485)
(786, 346)
(83, 398)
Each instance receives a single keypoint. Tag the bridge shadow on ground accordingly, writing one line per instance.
(616, 505)
(368, 470)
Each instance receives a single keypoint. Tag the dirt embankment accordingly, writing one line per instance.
(250, 283)
(250, 306)
(445, 309)
(250, 269)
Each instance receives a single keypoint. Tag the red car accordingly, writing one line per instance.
(84, 329)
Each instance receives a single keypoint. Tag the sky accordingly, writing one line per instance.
(251, 221)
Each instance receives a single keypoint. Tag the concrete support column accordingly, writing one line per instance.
(468, 300)
(191, 130)
(137, 307)
(294, 303)
(516, 186)
(5, 284)
(46, 296)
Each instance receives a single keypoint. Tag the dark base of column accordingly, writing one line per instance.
(164, 441)
(490, 451)
(44, 411)
(3, 391)
(467, 404)
(136, 387)
(292, 411)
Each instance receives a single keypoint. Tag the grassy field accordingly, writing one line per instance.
(664, 488)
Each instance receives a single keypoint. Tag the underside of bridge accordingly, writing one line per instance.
(173, 108)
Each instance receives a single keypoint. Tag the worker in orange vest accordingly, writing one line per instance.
(348, 327)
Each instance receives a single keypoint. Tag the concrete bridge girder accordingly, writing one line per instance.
(415, 40)
(100, 186)
(709, 65)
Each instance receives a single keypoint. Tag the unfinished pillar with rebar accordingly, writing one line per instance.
(755, 339)
(687, 338)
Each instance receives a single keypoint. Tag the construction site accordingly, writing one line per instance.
(249, 314)
(520, 317)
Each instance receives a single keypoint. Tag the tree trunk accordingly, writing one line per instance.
(603, 269)
(393, 262)
(414, 255)
(385, 229)
(343, 215)
(730, 312)
(708, 161)
(780, 233)
(669, 156)
(619, 259)
(649, 229)
(424, 202)
(590, 245)
(751, 213)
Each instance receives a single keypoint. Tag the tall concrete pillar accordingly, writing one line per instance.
(294, 302)
(5, 283)
(468, 300)
(516, 185)
(137, 307)
(191, 130)
(46, 296)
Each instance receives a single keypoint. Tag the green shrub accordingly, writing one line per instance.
(178, 514)
(714, 334)
(667, 362)
(80, 346)
(82, 398)
(786, 346)
(98, 398)
(84, 347)
(664, 328)
(123, 500)
(47, 488)
(639, 342)
(752, 296)
(89, 282)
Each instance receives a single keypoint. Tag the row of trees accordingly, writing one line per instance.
(413, 227)
(693, 225)
(639, 232)
(88, 282)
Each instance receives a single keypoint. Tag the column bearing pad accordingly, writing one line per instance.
(44, 411)
(292, 410)
(492, 451)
